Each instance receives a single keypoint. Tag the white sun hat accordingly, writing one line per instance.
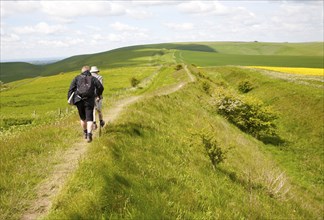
(94, 69)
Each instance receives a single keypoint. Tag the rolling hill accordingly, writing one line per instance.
(172, 153)
(202, 54)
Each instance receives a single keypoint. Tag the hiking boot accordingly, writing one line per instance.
(94, 126)
(89, 137)
(102, 123)
(85, 134)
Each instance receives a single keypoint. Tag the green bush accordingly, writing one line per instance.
(134, 82)
(245, 86)
(206, 87)
(178, 67)
(215, 153)
(250, 115)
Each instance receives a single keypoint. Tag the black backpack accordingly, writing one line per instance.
(85, 86)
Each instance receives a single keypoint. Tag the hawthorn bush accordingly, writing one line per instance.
(250, 115)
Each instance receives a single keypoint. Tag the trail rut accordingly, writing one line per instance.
(70, 159)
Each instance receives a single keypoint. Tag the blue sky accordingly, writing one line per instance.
(48, 29)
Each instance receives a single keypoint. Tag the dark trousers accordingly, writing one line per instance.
(85, 109)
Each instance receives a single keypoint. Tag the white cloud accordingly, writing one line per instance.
(40, 28)
(298, 18)
(98, 37)
(11, 8)
(122, 37)
(179, 26)
(61, 43)
(94, 28)
(9, 38)
(34, 28)
(152, 2)
(124, 27)
(203, 7)
(69, 10)
(139, 14)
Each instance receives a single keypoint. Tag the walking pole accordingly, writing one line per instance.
(99, 130)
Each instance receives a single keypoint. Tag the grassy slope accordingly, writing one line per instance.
(46, 95)
(115, 58)
(18, 70)
(152, 164)
(300, 124)
(24, 162)
(219, 59)
(215, 53)
(250, 53)
(263, 48)
(161, 129)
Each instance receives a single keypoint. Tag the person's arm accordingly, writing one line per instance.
(99, 87)
(101, 80)
(73, 87)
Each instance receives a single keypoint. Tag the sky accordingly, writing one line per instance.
(60, 29)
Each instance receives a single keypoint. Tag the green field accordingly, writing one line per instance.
(156, 161)
(202, 54)
(216, 59)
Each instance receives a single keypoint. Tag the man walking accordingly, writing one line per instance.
(85, 88)
(98, 101)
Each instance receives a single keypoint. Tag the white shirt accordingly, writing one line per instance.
(100, 78)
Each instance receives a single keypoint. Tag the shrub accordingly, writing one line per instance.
(245, 86)
(215, 153)
(178, 67)
(206, 87)
(134, 82)
(251, 116)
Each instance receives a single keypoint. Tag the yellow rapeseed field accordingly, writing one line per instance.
(294, 70)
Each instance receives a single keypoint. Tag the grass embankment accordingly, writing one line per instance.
(152, 164)
(300, 123)
(32, 144)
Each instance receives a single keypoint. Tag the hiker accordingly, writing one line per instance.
(98, 101)
(85, 88)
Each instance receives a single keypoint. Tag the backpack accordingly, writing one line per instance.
(84, 87)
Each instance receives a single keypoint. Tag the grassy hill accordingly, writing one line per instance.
(202, 53)
(154, 163)
(157, 160)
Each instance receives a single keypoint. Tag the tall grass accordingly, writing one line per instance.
(300, 124)
(32, 143)
(27, 158)
(152, 164)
